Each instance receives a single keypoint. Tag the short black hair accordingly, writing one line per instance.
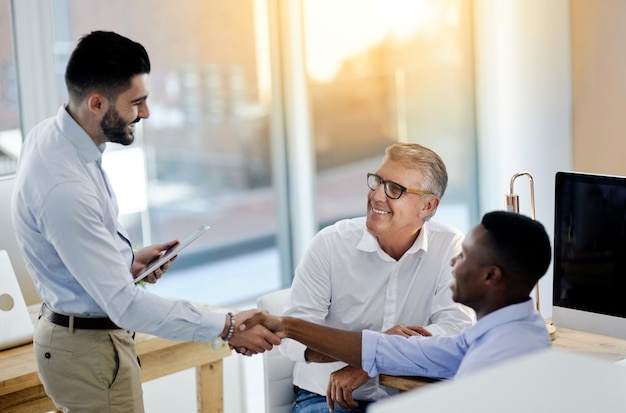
(104, 62)
(520, 245)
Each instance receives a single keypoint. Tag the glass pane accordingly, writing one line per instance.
(10, 132)
(204, 151)
(398, 70)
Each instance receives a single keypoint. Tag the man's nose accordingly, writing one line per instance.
(379, 193)
(144, 110)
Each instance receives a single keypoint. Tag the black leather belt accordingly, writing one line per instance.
(82, 323)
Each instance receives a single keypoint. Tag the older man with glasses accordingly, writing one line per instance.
(388, 271)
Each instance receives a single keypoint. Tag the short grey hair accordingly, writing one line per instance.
(420, 158)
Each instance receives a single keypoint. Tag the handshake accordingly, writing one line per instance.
(255, 331)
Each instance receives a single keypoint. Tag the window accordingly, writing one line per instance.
(203, 155)
(10, 133)
(396, 70)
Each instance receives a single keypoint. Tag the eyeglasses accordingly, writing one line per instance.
(392, 189)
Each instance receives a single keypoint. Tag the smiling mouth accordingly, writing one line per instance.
(380, 212)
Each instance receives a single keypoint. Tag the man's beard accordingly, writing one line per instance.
(114, 128)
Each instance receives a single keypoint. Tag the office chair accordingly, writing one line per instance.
(278, 369)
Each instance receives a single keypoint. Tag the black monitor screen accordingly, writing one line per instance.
(590, 243)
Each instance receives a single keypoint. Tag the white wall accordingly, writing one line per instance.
(599, 85)
(523, 97)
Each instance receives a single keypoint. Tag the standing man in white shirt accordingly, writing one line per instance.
(65, 216)
(388, 271)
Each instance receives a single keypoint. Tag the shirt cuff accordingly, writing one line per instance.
(369, 340)
(293, 350)
(211, 326)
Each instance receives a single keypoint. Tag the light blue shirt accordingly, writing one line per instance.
(79, 256)
(507, 333)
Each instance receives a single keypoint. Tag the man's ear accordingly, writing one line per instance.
(431, 204)
(97, 104)
(494, 275)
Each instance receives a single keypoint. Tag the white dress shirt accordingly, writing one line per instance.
(346, 281)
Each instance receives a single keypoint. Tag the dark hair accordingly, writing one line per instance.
(520, 245)
(104, 62)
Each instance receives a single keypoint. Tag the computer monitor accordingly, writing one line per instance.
(590, 253)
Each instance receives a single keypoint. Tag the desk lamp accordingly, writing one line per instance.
(512, 205)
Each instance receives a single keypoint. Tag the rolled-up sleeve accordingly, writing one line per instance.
(368, 352)
(437, 356)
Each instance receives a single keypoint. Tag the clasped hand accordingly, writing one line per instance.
(252, 336)
(247, 340)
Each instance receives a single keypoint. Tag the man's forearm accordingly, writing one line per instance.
(338, 344)
(314, 356)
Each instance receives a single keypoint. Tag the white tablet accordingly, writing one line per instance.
(167, 255)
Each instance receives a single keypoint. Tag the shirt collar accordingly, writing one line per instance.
(513, 312)
(369, 242)
(76, 135)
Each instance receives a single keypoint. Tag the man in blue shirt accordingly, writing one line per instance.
(65, 216)
(501, 260)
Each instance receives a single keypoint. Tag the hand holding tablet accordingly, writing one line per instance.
(170, 253)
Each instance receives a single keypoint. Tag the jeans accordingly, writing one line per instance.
(307, 402)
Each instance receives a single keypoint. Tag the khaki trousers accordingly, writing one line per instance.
(88, 370)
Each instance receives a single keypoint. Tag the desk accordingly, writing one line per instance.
(21, 391)
(608, 348)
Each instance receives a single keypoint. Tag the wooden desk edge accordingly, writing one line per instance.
(404, 383)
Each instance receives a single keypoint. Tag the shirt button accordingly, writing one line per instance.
(47, 355)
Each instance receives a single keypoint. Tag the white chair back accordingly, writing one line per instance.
(278, 369)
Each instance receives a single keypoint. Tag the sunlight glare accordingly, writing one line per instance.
(404, 18)
(336, 29)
